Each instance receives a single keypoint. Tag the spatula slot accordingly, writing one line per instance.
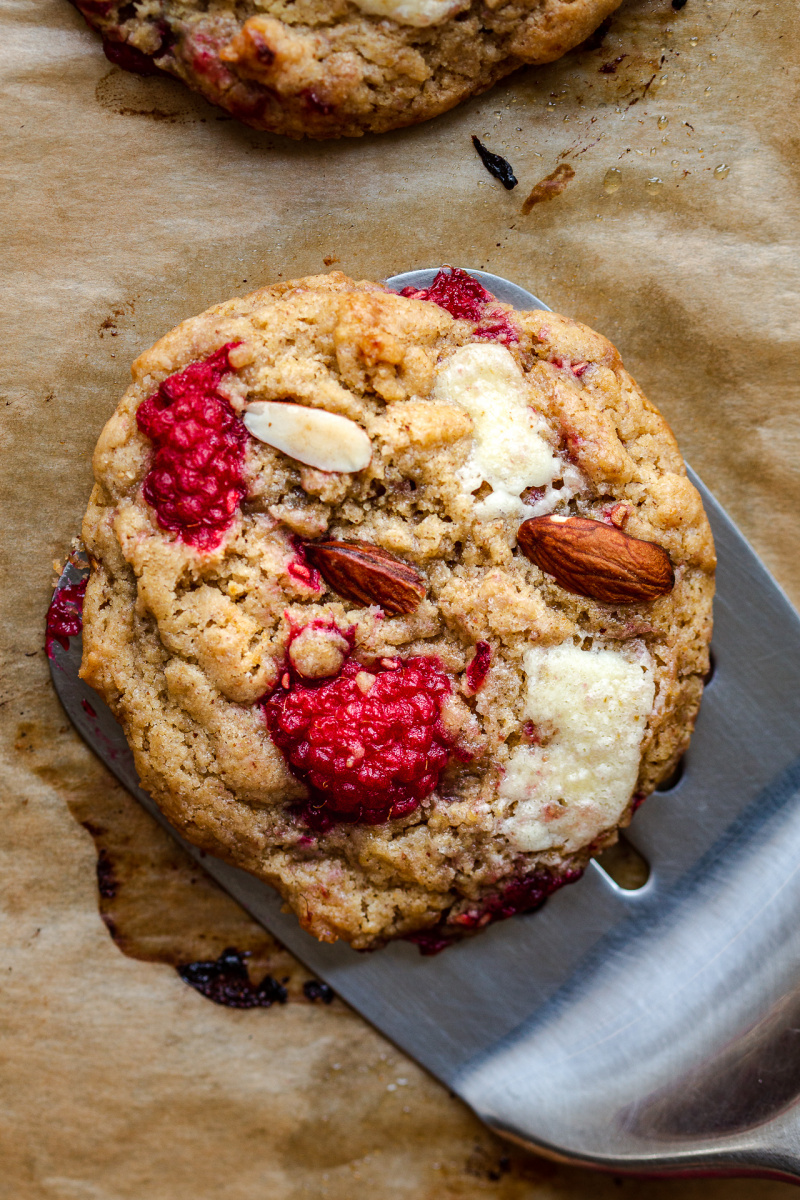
(712, 666)
(624, 864)
(674, 777)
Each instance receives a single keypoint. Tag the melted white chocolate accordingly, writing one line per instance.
(413, 12)
(509, 450)
(590, 707)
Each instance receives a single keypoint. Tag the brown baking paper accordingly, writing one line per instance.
(129, 205)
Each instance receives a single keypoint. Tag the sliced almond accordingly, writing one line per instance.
(597, 560)
(313, 436)
(367, 575)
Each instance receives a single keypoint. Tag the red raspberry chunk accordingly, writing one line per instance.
(457, 292)
(369, 750)
(64, 616)
(517, 896)
(195, 482)
(466, 299)
(478, 666)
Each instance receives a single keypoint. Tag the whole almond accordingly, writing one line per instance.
(367, 574)
(597, 560)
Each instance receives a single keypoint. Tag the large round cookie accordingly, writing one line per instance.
(328, 68)
(404, 602)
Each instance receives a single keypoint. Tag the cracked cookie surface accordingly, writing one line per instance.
(333, 68)
(425, 768)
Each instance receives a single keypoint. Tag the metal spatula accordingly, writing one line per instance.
(653, 1031)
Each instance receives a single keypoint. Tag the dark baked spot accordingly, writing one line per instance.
(106, 880)
(610, 68)
(596, 39)
(484, 1165)
(315, 989)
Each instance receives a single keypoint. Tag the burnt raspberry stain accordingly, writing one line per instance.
(225, 981)
(106, 879)
(456, 291)
(496, 165)
(367, 756)
(315, 989)
(64, 616)
(478, 666)
(196, 480)
(523, 895)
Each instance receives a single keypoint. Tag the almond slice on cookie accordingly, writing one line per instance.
(313, 436)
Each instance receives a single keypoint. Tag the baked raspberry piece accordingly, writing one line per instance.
(64, 616)
(463, 297)
(195, 483)
(478, 666)
(519, 896)
(370, 744)
(456, 292)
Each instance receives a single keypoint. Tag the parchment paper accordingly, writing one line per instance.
(129, 205)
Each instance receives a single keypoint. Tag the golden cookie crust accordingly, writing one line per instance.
(183, 643)
(327, 69)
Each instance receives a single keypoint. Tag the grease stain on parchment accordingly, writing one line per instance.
(155, 98)
(548, 188)
(156, 903)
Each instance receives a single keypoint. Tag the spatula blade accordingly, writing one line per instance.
(656, 1030)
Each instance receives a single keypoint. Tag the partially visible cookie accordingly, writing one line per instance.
(334, 68)
(403, 601)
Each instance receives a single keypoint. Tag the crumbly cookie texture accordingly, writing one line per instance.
(333, 68)
(353, 683)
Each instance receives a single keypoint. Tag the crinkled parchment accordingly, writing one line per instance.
(128, 205)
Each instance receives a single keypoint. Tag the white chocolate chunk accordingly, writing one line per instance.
(311, 435)
(509, 451)
(413, 12)
(591, 709)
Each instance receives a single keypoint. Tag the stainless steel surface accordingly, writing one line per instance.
(651, 1031)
